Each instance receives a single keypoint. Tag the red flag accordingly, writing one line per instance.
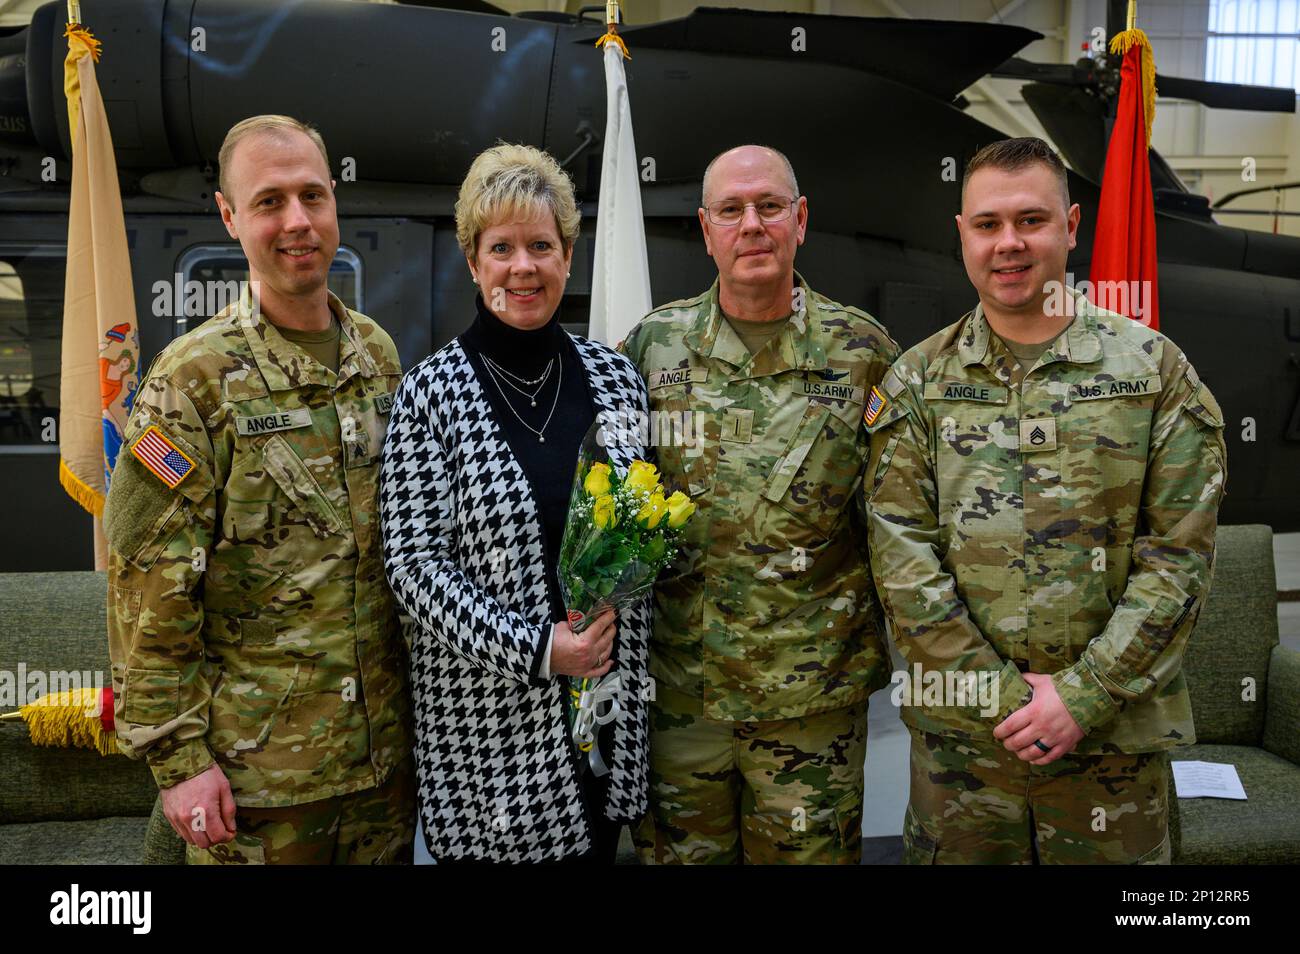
(1123, 273)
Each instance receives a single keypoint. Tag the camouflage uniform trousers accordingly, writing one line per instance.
(372, 827)
(977, 803)
(780, 792)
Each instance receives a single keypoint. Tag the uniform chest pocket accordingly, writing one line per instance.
(292, 476)
(979, 469)
(364, 423)
(1105, 441)
(819, 470)
(685, 439)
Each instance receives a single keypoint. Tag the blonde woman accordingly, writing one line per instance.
(474, 487)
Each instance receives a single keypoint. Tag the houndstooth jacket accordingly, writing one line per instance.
(463, 550)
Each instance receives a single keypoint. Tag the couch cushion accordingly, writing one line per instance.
(1234, 635)
(104, 841)
(1282, 725)
(1264, 829)
(56, 622)
(49, 784)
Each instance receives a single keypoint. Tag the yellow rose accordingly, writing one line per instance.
(642, 476)
(602, 511)
(653, 511)
(597, 482)
(680, 509)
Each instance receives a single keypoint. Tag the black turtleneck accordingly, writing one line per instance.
(549, 466)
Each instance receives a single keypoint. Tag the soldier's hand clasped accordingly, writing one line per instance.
(1044, 721)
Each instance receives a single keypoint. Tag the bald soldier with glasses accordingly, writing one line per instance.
(767, 637)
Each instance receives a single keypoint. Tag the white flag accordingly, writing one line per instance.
(620, 279)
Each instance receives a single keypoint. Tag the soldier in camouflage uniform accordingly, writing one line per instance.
(258, 665)
(767, 636)
(1042, 520)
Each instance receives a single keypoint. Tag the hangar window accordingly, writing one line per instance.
(31, 324)
(211, 277)
(1255, 42)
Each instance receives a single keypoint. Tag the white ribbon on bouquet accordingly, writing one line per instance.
(588, 716)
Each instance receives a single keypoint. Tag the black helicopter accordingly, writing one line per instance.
(869, 111)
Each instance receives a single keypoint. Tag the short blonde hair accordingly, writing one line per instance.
(510, 180)
(271, 124)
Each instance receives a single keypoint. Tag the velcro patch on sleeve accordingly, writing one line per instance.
(163, 458)
(876, 403)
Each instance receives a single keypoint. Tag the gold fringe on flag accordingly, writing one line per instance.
(67, 719)
(89, 498)
(1120, 44)
(80, 43)
(78, 35)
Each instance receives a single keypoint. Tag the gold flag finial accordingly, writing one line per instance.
(1132, 14)
(611, 29)
(74, 11)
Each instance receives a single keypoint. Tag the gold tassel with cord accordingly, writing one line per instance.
(67, 719)
(1120, 44)
(611, 29)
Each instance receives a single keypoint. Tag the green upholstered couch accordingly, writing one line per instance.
(76, 806)
(1234, 648)
(69, 806)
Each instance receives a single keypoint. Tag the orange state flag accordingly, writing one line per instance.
(1123, 271)
(101, 347)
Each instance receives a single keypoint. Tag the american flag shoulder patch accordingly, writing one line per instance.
(875, 404)
(167, 461)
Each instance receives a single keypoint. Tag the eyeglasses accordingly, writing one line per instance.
(770, 208)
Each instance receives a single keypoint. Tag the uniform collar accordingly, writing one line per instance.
(795, 348)
(284, 366)
(1081, 343)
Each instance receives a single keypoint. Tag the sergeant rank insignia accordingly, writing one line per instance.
(167, 461)
(875, 404)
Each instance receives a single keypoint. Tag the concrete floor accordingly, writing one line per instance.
(887, 738)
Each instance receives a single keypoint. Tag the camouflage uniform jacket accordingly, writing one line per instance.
(249, 619)
(1063, 528)
(768, 612)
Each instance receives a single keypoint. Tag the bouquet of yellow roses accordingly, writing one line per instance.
(620, 533)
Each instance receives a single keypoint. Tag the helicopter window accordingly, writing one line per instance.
(31, 324)
(213, 275)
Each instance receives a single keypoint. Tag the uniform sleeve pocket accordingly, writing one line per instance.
(293, 477)
(879, 466)
(152, 696)
(124, 605)
(1205, 408)
(141, 523)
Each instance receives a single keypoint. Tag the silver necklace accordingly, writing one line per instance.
(559, 381)
(540, 382)
(514, 377)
